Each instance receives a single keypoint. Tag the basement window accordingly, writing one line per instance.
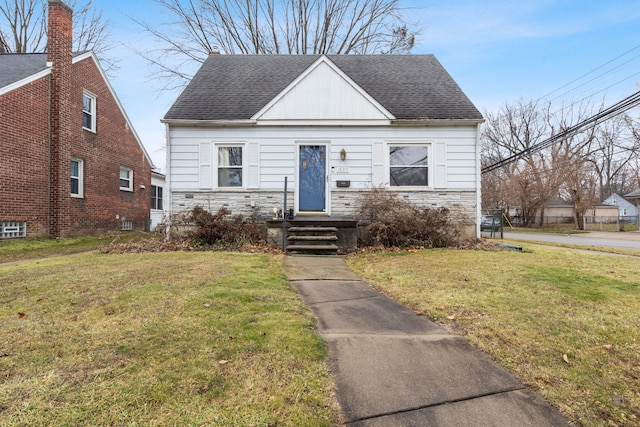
(127, 225)
(11, 229)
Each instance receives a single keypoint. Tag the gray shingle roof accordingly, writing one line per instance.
(235, 87)
(17, 66)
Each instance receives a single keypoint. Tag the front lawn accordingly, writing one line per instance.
(183, 338)
(565, 322)
(20, 249)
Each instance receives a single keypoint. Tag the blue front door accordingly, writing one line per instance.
(312, 175)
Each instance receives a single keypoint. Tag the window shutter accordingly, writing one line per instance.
(205, 165)
(253, 165)
(440, 173)
(377, 164)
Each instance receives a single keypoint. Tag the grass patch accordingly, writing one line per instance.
(559, 230)
(616, 251)
(159, 339)
(21, 249)
(565, 322)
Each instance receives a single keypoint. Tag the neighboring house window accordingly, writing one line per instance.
(77, 181)
(409, 165)
(229, 166)
(126, 179)
(89, 112)
(9, 229)
(624, 211)
(156, 197)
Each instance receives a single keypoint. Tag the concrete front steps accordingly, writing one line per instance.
(312, 240)
(314, 235)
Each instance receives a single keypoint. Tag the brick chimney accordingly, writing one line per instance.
(59, 54)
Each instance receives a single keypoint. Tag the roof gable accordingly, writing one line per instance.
(17, 69)
(322, 93)
(238, 87)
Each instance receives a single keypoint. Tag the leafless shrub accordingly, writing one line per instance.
(392, 222)
(220, 229)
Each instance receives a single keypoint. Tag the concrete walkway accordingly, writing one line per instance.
(394, 368)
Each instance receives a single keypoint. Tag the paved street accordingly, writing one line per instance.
(623, 240)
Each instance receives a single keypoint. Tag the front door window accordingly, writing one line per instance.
(312, 170)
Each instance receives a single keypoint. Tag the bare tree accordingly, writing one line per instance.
(23, 28)
(615, 151)
(534, 180)
(200, 27)
(575, 166)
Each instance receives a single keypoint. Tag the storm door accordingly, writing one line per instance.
(312, 175)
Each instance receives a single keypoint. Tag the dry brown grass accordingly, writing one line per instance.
(566, 322)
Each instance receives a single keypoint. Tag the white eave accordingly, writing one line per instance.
(208, 123)
(436, 122)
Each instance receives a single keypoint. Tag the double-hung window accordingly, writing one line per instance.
(89, 111)
(126, 179)
(77, 180)
(409, 164)
(230, 165)
(156, 197)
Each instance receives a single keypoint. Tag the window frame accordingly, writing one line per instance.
(80, 178)
(130, 179)
(156, 196)
(428, 166)
(216, 161)
(91, 113)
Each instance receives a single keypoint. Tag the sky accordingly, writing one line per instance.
(498, 51)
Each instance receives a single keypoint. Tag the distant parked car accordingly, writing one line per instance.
(489, 222)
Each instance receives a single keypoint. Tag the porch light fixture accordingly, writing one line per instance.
(343, 154)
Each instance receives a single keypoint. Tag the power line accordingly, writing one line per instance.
(597, 77)
(590, 72)
(614, 110)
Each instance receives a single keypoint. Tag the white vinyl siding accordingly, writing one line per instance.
(453, 155)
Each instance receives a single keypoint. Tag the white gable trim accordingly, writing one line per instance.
(32, 78)
(322, 60)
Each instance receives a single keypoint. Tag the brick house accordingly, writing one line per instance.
(71, 162)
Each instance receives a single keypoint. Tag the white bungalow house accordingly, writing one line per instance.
(333, 125)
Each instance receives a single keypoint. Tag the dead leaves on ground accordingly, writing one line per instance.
(154, 245)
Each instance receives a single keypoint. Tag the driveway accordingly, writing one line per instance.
(623, 240)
